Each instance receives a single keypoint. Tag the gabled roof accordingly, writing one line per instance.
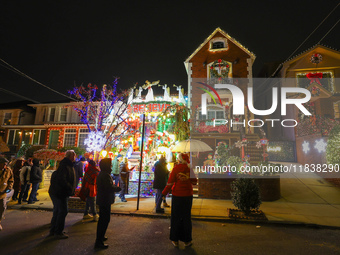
(219, 30)
(296, 57)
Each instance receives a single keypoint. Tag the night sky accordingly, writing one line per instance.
(62, 43)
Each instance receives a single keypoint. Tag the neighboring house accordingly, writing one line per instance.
(62, 125)
(315, 70)
(49, 125)
(16, 124)
(219, 59)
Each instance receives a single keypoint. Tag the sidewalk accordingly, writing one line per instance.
(308, 201)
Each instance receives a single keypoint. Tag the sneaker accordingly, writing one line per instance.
(174, 243)
(87, 217)
(124, 200)
(187, 244)
(166, 204)
(61, 236)
(160, 210)
(96, 218)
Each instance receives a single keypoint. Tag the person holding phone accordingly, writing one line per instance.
(124, 172)
(6, 185)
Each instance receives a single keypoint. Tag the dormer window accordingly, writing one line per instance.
(218, 44)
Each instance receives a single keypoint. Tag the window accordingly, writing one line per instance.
(70, 137)
(83, 133)
(51, 115)
(39, 136)
(13, 137)
(217, 45)
(7, 118)
(63, 114)
(211, 114)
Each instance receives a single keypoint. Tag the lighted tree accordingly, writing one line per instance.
(178, 114)
(333, 145)
(104, 113)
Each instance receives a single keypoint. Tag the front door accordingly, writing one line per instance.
(53, 141)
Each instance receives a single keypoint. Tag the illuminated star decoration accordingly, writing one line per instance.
(238, 144)
(95, 141)
(320, 145)
(305, 147)
(258, 144)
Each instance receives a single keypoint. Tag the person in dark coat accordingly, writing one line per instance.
(35, 179)
(79, 168)
(105, 197)
(161, 177)
(63, 185)
(16, 173)
(124, 172)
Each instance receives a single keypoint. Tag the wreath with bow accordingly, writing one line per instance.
(223, 66)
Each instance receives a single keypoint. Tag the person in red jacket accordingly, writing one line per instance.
(181, 180)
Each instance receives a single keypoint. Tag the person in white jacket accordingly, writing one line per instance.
(25, 181)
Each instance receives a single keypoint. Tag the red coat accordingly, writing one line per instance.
(89, 183)
(181, 180)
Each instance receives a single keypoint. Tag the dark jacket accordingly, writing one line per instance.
(36, 173)
(105, 189)
(63, 180)
(124, 171)
(161, 176)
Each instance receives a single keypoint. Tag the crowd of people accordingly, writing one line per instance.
(99, 185)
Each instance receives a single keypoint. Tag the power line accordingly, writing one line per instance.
(15, 94)
(28, 77)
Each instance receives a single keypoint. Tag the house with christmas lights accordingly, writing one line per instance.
(220, 59)
(316, 70)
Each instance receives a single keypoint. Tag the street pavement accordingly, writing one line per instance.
(25, 232)
(305, 200)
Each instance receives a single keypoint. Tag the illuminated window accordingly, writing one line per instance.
(218, 44)
(39, 136)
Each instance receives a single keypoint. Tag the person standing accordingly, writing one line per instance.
(89, 190)
(115, 169)
(159, 183)
(181, 180)
(79, 169)
(105, 197)
(35, 179)
(16, 173)
(25, 174)
(6, 185)
(63, 185)
(124, 178)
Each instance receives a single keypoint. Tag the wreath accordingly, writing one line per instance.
(223, 66)
(316, 58)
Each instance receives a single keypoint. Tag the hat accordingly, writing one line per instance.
(82, 159)
(184, 158)
(3, 160)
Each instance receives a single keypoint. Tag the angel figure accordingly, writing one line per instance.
(148, 85)
(166, 93)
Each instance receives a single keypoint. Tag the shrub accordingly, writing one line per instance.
(245, 194)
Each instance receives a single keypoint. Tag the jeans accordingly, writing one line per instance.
(116, 179)
(103, 223)
(122, 185)
(90, 206)
(3, 206)
(60, 210)
(33, 195)
(158, 198)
